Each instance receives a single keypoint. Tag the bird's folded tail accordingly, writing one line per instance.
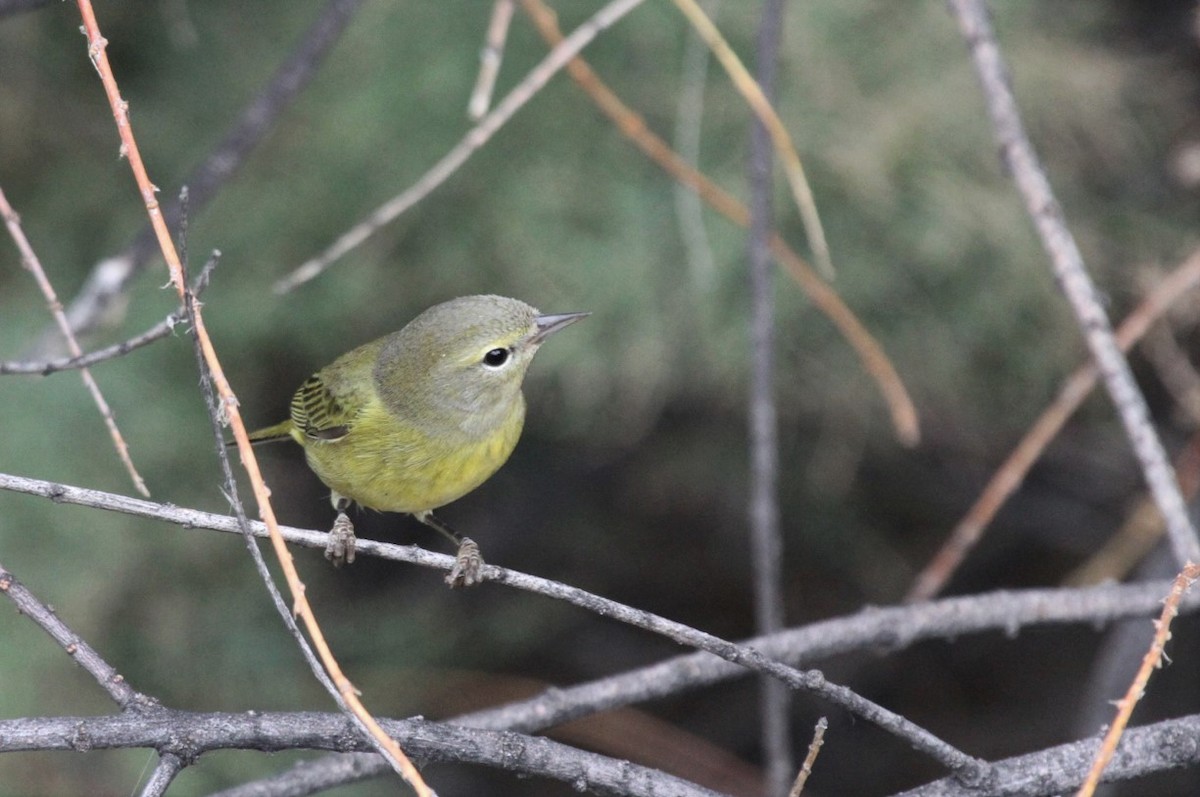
(270, 434)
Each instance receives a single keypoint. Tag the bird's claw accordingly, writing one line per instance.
(468, 565)
(339, 548)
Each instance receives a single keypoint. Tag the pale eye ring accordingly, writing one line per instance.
(496, 358)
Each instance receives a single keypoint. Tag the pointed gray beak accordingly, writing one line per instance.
(547, 325)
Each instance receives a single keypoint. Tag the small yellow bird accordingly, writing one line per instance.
(421, 417)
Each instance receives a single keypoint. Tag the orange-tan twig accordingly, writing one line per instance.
(29, 260)
(782, 142)
(814, 748)
(387, 746)
(826, 299)
(1012, 472)
(1150, 662)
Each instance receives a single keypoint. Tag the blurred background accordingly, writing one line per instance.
(631, 477)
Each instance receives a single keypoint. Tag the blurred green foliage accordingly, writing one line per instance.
(634, 449)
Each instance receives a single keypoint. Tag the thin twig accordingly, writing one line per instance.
(169, 765)
(1150, 662)
(110, 277)
(810, 681)
(29, 260)
(97, 51)
(870, 353)
(46, 367)
(1009, 476)
(76, 647)
(157, 332)
(689, 115)
(759, 103)
(766, 538)
(231, 491)
(490, 58)
(1174, 369)
(475, 138)
(814, 749)
(1071, 273)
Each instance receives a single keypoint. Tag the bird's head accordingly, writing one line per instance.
(461, 363)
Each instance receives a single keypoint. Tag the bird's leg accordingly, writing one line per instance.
(468, 562)
(339, 549)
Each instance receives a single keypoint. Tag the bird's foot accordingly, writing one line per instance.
(339, 548)
(468, 565)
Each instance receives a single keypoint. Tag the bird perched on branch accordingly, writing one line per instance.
(421, 417)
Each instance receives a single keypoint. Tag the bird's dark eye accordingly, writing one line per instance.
(495, 358)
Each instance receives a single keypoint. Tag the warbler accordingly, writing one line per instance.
(420, 417)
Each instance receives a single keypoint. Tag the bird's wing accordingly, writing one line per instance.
(317, 411)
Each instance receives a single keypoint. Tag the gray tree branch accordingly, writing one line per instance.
(1069, 269)
(1058, 770)
(766, 537)
(186, 735)
(965, 766)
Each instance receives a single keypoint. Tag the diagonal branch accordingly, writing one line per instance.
(1150, 662)
(476, 137)
(1011, 473)
(157, 332)
(1071, 273)
(810, 681)
(124, 695)
(29, 260)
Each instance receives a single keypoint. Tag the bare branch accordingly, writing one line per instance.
(1150, 662)
(814, 749)
(766, 538)
(109, 679)
(756, 98)
(689, 113)
(475, 138)
(1071, 273)
(1055, 770)
(169, 765)
(186, 735)
(1011, 473)
(157, 332)
(29, 260)
(875, 629)
(490, 58)
(811, 681)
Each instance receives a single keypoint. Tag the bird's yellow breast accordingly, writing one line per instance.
(397, 467)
